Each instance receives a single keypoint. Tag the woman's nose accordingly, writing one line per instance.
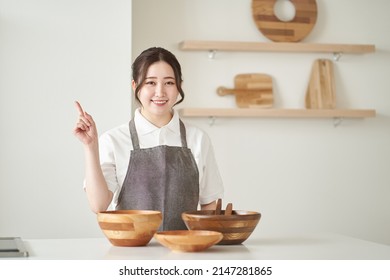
(160, 90)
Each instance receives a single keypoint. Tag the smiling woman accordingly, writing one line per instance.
(171, 167)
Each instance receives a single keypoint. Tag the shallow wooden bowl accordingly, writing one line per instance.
(188, 240)
(129, 227)
(236, 228)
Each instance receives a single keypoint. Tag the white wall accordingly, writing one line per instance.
(302, 174)
(52, 53)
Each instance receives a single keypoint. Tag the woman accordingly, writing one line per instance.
(155, 161)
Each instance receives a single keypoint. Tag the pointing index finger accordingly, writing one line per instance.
(79, 108)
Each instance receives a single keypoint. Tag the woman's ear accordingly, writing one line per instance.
(133, 85)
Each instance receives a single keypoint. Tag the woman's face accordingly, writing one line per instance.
(159, 92)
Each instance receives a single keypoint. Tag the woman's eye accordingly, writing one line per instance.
(150, 83)
(170, 83)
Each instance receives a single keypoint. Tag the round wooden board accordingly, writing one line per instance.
(285, 31)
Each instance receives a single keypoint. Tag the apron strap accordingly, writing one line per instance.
(135, 140)
(183, 134)
(134, 135)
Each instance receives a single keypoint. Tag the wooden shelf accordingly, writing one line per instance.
(277, 113)
(274, 47)
(336, 49)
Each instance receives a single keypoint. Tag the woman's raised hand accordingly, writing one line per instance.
(85, 129)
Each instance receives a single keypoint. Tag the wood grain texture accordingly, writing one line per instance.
(276, 113)
(251, 90)
(229, 209)
(129, 227)
(236, 228)
(192, 45)
(285, 31)
(188, 240)
(320, 92)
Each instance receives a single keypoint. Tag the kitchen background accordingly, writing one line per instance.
(303, 175)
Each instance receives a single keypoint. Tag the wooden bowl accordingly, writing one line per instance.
(129, 227)
(236, 228)
(188, 240)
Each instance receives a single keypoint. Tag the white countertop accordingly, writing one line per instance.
(322, 246)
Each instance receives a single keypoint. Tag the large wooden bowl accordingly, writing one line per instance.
(129, 227)
(188, 240)
(236, 228)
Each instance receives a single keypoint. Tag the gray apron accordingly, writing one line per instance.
(163, 178)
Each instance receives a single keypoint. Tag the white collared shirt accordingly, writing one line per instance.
(115, 146)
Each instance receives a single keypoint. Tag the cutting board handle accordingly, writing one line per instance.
(222, 91)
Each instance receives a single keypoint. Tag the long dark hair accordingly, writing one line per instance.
(149, 56)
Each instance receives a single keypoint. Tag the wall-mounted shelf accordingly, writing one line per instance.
(336, 49)
(277, 113)
(192, 45)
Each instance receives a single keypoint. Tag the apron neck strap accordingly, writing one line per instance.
(134, 135)
(183, 134)
(135, 140)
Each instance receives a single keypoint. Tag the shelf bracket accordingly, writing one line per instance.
(337, 56)
(211, 120)
(212, 54)
(337, 121)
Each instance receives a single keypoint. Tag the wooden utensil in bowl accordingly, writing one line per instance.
(229, 209)
(218, 207)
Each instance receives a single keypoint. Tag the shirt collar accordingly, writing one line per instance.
(145, 127)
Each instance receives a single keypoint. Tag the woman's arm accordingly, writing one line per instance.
(98, 194)
(210, 206)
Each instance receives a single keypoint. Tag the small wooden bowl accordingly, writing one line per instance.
(236, 228)
(129, 227)
(188, 240)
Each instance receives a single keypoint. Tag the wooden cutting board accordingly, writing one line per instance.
(251, 90)
(320, 92)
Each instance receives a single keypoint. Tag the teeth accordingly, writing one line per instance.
(159, 101)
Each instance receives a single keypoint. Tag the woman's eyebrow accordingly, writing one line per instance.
(167, 77)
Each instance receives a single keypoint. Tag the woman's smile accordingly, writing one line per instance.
(160, 102)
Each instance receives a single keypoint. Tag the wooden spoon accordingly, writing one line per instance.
(218, 207)
(229, 209)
